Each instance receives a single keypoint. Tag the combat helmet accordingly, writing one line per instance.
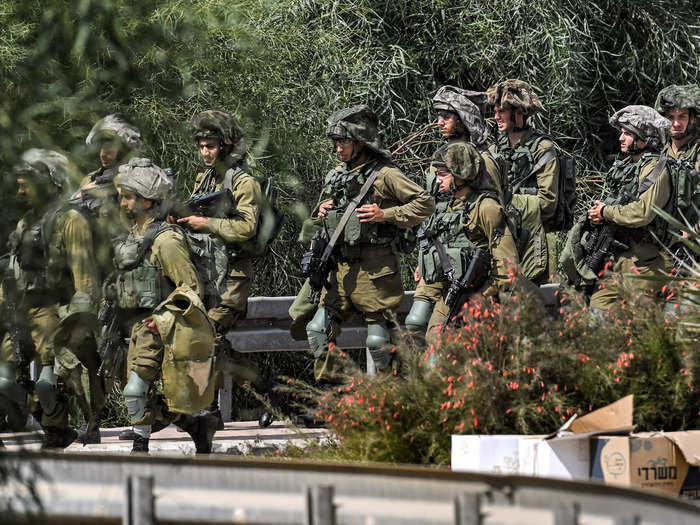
(144, 178)
(460, 101)
(112, 127)
(644, 122)
(466, 164)
(357, 123)
(683, 97)
(222, 126)
(46, 166)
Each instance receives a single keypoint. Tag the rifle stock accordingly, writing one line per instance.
(18, 330)
(111, 348)
(461, 290)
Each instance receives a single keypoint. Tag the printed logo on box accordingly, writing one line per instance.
(615, 464)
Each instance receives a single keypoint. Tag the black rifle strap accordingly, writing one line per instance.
(203, 186)
(348, 212)
(547, 156)
(445, 262)
(654, 175)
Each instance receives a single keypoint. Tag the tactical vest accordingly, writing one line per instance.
(448, 226)
(140, 284)
(344, 186)
(623, 179)
(40, 265)
(686, 184)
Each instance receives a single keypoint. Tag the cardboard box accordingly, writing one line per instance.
(564, 454)
(664, 461)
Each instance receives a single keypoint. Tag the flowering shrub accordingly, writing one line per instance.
(512, 367)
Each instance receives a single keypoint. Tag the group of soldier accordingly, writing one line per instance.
(494, 206)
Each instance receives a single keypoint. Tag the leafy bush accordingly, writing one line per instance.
(513, 369)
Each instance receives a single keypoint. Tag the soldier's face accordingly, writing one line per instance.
(447, 122)
(209, 149)
(627, 139)
(504, 119)
(133, 205)
(680, 120)
(27, 192)
(109, 153)
(345, 148)
(445, 179)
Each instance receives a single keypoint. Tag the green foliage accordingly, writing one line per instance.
(513, 369)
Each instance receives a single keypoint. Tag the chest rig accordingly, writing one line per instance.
(342, 186)
(520, 162)
(622, 185)
(39, 261)
(446, 226)
(140, 284)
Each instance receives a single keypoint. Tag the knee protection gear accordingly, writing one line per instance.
(418, 317)
(377, 338)
(317, 332)
(136, 397)
(46, 389)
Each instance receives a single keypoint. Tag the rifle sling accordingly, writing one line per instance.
(346, 216)
(654, 175)
(547, 156)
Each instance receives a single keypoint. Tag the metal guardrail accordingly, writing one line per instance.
(141, 490)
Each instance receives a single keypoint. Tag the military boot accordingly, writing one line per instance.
(140, 444)
(201, 429)
(58, 438)
(89, 431)
(128, 434)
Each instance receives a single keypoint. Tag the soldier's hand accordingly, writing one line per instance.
(324, 207)
(416, 275)
(195, 222)
(151, 325)
(595, 214)
(370, 213)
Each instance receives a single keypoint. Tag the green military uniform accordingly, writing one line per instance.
(469, 107)
(533, 179)
(473, 219)
(367, 278)
(146, 278)
(637, 263)
(53, 263)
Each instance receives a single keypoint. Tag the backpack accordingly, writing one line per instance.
(271, 217)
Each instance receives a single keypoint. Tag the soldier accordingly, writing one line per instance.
(367, 277)
(52, 264)
(222, 149)
(533, 174)
(636, 182)
(473, 219)
(156, 279)
(459, 120)
(681, 105)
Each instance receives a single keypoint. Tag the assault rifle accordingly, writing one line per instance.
(16, 326)
(461, 289)
(216, 204)
(601, 242)
(111, 348)
(317, 264)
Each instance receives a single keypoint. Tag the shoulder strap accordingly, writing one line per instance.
(230, 177)
(152, 231)
(654, 175)
(348, 212)
(546, 157)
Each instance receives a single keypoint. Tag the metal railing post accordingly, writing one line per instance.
(139, 508)
(319, 505)
(468, 509)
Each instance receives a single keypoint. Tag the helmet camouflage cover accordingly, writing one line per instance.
(514, 93)
(223, 126)
(459, 101)
(145, 179)
(683, 97)
(358, 123)
(115, 126)
(461, 160)
(45, 165)
(644, 122)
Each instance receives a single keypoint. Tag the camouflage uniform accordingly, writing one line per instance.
(636, 175)
(474, 219)
(53, 263)
(150, 283)
(534, 161)
(461, 103)
(239, 231)
(367, 278)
